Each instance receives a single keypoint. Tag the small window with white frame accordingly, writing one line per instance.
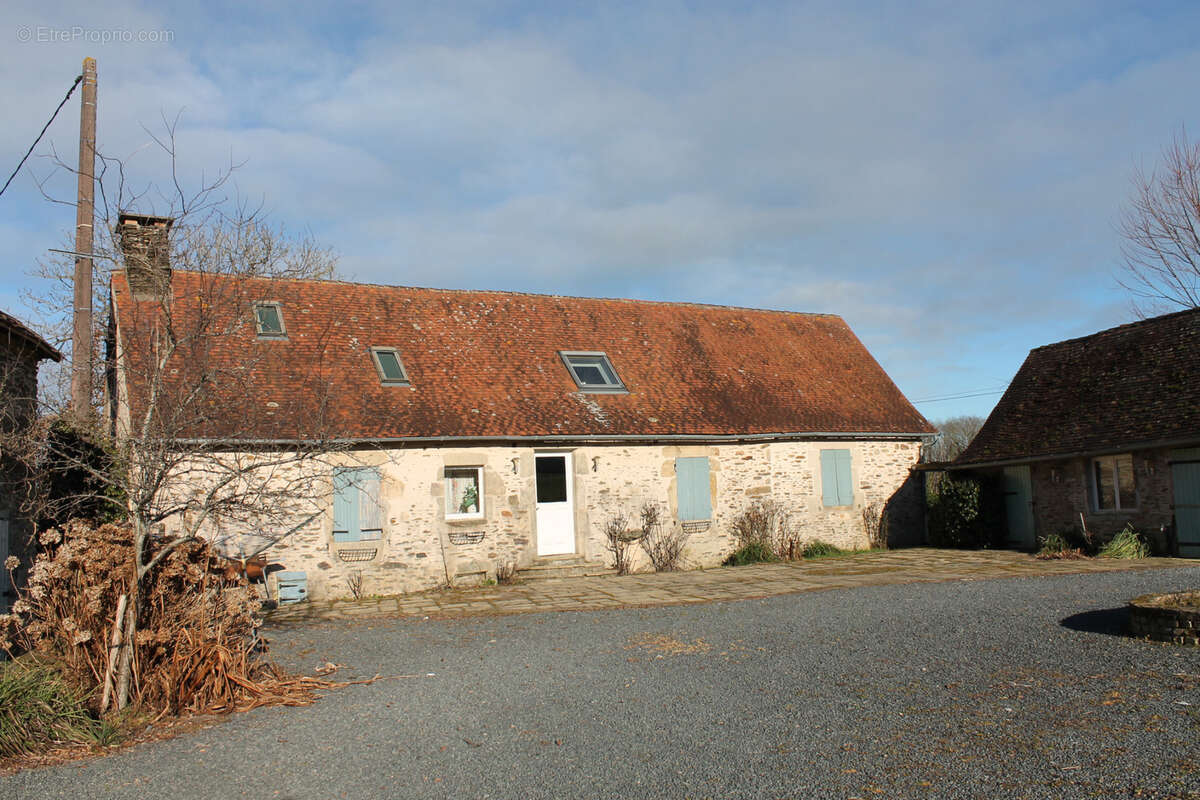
(268, 321)
(389, 366)
(464, 492)
(1113, 484)
(593, 372)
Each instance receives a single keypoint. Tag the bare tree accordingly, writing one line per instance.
(619, 541)
(954, 434)
(213, 231)
(1161, 227)
(178, 396)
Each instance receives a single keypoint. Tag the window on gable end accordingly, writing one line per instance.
(836, 486)
(389, 366)
(593, 372)
(357, 505)
(268, 321)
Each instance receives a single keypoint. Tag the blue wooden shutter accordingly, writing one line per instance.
(356, 504)
(845, 482)
(370, 507)
(691, 488)
(836, 486)
(345, 506)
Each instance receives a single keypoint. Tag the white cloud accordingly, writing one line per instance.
(942, 176)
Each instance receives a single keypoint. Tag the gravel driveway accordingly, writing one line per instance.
(998, 689)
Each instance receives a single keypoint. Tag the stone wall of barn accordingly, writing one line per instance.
(421, 548)
(1062, 491)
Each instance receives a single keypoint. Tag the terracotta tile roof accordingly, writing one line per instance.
(487, 364)
(1133, 385)
(12, 328)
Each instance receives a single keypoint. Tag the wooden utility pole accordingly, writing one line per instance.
(81, 336)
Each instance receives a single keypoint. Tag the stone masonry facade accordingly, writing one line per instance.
(420, 548)
(1062, 491)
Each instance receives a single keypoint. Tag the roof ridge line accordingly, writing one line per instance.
(510, 292)
(1123, 326)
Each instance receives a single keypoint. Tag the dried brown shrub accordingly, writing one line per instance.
(196, 646)
(1058, 555)
(506, 573)
(663, 541)
(620, 540)
(766, 526)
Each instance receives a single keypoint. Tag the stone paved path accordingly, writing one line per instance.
(915, 565)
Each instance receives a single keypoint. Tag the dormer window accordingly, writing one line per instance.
(268, 321)
(593, 372)
(389, 365)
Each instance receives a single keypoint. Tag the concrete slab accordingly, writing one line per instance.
(916, 565)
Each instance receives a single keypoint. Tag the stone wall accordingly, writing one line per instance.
(421, 548)
(1061, 492)
(1166, 617)
(18, 405)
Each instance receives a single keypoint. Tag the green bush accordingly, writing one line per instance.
(965, 512)
(41, 710)
(1126, 544)
(818, 549)
(751, 553)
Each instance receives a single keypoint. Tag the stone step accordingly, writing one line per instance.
(562, 567)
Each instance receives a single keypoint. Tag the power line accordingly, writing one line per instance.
(78, 78)
(963, 396)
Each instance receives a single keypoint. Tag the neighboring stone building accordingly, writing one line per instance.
(1102, 430)
(20, 351)
(489, 428)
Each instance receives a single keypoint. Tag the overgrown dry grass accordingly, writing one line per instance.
(42, 707)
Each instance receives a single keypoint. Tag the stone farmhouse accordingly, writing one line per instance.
(484, 428)
(1103, 430)
(21, 350)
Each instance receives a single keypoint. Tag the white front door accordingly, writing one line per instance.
(555, 504)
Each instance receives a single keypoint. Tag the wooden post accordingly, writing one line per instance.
(114, 650)
(81, 335)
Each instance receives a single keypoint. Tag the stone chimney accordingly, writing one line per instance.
(145, 243)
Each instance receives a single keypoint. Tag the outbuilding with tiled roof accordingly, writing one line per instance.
(1102, 431)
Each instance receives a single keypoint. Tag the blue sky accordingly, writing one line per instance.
(945, 176)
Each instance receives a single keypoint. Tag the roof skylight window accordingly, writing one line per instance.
(389, 365)
(593, 372)
(268, 321)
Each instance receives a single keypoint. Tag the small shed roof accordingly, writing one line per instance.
(16, 331)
